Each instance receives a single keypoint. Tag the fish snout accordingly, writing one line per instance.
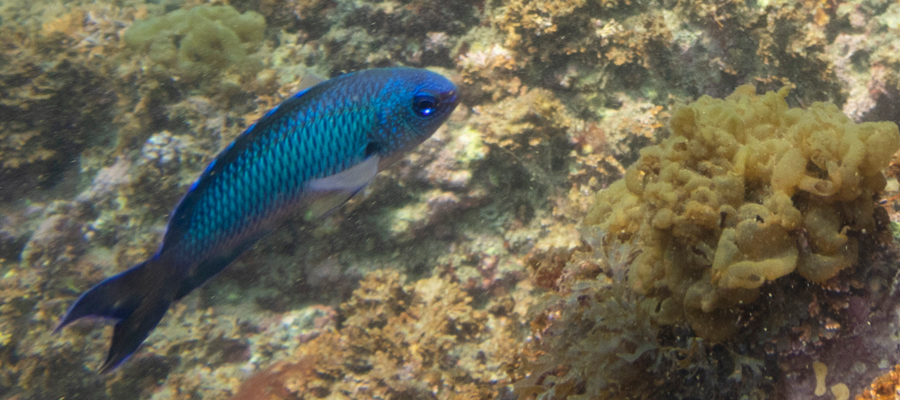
(449, 99)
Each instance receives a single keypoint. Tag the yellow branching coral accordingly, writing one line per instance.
(745, 191)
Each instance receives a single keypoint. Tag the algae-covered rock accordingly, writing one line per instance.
(203, 40)
(52, 107)
(418, 341)
(745, 191)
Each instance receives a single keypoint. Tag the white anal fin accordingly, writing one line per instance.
(329, 193)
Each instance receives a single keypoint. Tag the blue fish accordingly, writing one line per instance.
(306, 157)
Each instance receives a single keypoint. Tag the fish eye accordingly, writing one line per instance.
(425, 104)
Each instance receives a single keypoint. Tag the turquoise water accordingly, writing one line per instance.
(469, 268)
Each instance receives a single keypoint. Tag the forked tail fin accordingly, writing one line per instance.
(137, 298)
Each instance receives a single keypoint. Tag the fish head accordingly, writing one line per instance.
(431, 101)
(414, 104)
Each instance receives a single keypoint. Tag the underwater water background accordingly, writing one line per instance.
(635, 199)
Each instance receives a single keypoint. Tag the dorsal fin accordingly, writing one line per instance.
(309, 80)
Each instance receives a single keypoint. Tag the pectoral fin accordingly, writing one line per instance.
(328, 193)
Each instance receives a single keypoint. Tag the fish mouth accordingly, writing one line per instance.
(450, 97)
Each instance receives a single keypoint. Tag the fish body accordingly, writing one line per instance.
(307, 156)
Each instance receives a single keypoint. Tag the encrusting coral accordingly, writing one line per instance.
(745, 191)
(198, 42)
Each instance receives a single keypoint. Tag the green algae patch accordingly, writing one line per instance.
(745, 190)
(201, 41)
